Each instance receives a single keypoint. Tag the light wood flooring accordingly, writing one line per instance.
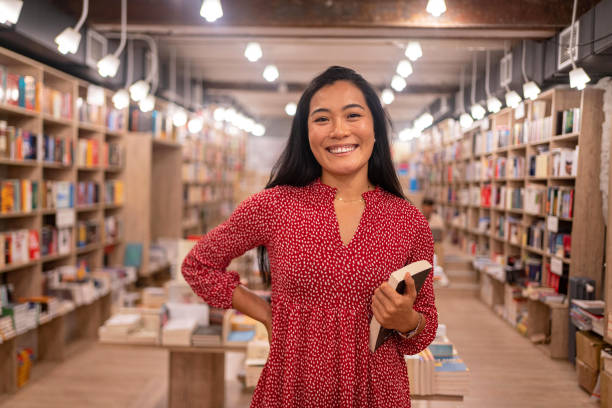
(507, 370)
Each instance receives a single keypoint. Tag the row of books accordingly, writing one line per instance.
(534, 235)
(88, 232)
(509, 228)
(560, 244)
(55, 241)
(57, 149)
(560, 202)
(538, 130)
(88, 193)
(87, 154)
(557, 278)
(19, 246)
(24, 316)
(155, 122)
(18, 196)
(535, 199)
(19, 90)
(199, 194)
(568, 121)
(16, 143)
(57, 194)
(564, 162)
(90, 113)
(57, 103)
(113, 193)
(538, 163)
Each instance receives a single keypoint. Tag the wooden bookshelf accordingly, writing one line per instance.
(52, 339)
(457, 167)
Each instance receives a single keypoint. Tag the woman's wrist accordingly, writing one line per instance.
(412, 322)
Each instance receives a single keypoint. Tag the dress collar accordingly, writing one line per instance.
(329, 191)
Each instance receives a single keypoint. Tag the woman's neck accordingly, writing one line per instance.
(349, 187)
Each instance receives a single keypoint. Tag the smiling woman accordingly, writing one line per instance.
(332, 225)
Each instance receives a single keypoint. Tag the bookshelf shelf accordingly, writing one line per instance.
(20, 214)
(570, 137)
(115, 133)
(534, 250)
(539, 142)
(55, 257)
(88, 208)
(51, 165)
(113, 243)
(113, 206)
(89, 168)
(166, 143)
(89, 127)
(16, 266)
(562, 178)
(114, 169)
(57, 120)
(20, 163)
(17, 110)
(87, 248)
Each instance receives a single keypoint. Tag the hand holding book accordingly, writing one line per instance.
(394, 310)
(392, 303)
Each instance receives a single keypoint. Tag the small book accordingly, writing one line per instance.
(419, 271)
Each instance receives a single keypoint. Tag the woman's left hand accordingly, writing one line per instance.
(393, 310)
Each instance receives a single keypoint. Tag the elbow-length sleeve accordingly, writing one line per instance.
(204, 268)
(422, 248)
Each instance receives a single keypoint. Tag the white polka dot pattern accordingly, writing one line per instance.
(322, 292)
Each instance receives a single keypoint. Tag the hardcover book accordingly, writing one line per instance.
(419, 271)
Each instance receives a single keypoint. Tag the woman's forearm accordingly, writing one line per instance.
(248, 303)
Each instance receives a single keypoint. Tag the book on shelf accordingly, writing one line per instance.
(57, 103)
(538, 163)
(55, 241)
(87, 233)
(88, 193)
(484, 224)
(560, 202)
(19, 90)
(111, 155)
(516, 167)
(568, 121)
(57, 150)
(57, 194)
(533, 267)
(18, 196)
(534, 235)
(557, 275)
(564, 162)
(87, 153)
(17, 143)
(419, 271)
(113, 227)
(113, 192)
(560, 243)
(90, 113)
(502, 136)
(485, 196)
(535, 199)
(499, 196)
(115, 119)
(19, 246)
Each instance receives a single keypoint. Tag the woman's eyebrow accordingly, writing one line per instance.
(352, 105)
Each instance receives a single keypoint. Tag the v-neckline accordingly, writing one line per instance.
(353, 238)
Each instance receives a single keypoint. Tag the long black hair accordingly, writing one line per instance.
(297, 165)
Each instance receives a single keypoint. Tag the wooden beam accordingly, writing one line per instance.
(486, 14)
(299, 87)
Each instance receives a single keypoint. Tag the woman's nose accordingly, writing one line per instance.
(340, 129)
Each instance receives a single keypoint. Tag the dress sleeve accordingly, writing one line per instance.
(422, 248)
(204, 268)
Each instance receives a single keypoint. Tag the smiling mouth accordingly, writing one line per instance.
(342, 149)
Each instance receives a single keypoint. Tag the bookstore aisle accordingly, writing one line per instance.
(507, 371)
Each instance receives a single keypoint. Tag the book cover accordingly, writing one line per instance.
(419, 271)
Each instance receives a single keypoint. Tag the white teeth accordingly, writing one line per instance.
(342, 149)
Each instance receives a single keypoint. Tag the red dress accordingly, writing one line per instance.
(322, 293)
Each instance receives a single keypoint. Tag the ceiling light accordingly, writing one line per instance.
(230, 115)
(211, 10)
(404, 68)
(95, 95)
(107, 66)
(147, 104)
(465, 120)
(290, 108)
(478, 112)
(578, 78)
(121, 99)
(10, 10)
(423, 122)
(404, 135)
(195, 125)
(493, 104)
(259, 130)
(436, 7)
(138, 90)
(270, 73)
(512, 99)
(219, 114)
(387, 96)
(179, 118)
(253, 51)
(68, 40)
(531, 90)
(414, 51)
(398, 83)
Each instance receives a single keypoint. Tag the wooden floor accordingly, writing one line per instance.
(507, 371)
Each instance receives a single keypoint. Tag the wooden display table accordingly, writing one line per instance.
(197, 376)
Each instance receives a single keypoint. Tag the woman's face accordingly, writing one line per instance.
(340, 128)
